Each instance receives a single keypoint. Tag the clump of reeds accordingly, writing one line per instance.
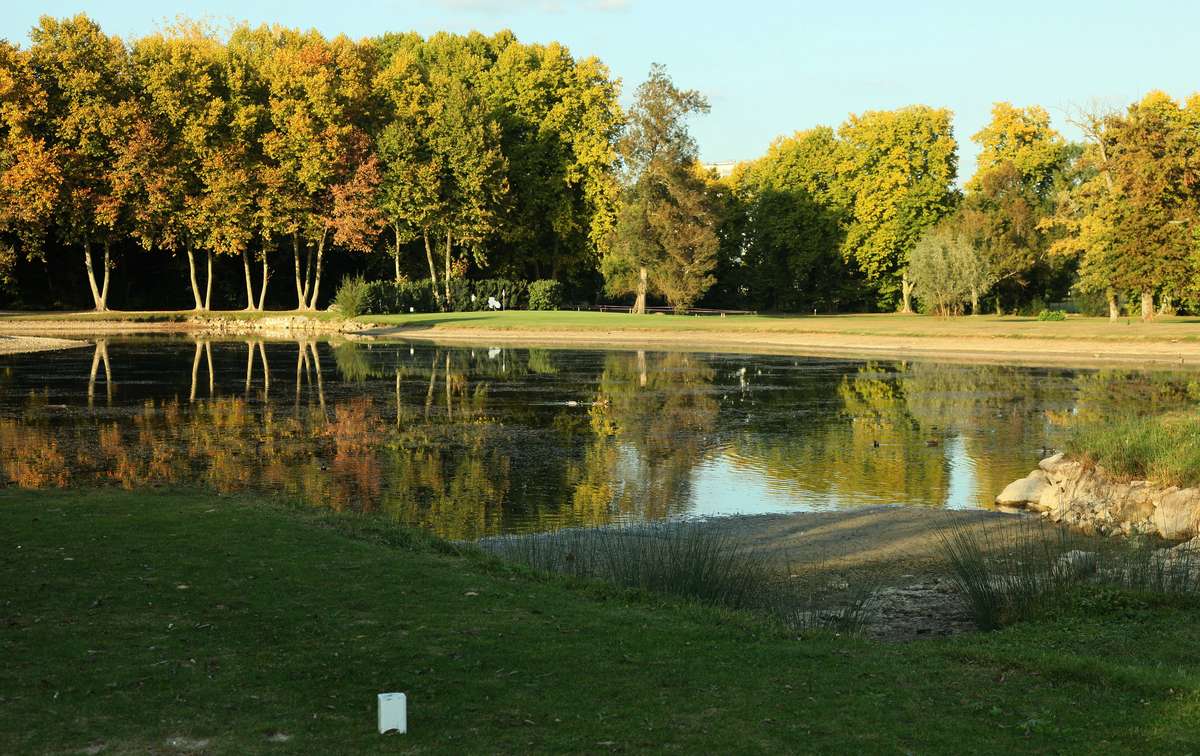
(690, 560)
(1008, 573)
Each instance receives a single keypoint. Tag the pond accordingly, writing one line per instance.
(474, 441)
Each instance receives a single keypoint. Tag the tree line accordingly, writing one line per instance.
(267, 152)
(272, 146)
(829, 217)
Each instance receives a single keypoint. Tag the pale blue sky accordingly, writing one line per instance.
(771, 68)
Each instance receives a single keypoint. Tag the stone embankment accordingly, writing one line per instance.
(287, 326)
(1070, 492)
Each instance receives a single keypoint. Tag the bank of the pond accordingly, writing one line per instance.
(1169, 341)
(270, 324)
(168, 622)
(1081, 494)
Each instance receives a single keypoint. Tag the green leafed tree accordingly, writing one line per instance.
(1021, 166)
(793, 226)
(897, 170)
(944, 269)
(664, 240)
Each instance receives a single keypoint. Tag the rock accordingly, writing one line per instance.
(1050, 463)
(1086, 497)
(1177, 515)
(1076, 563)
(1023, 491)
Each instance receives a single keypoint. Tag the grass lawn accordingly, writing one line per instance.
(137, 620)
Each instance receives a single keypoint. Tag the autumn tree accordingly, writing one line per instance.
(30, 176)
(664, 239)
(410, 173)
(85, 75)
(1131, 220)
(316, 152)
(898, 169)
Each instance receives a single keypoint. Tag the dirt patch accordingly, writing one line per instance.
(893, 551)
(25, 344)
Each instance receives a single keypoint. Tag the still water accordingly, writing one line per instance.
(474, 441)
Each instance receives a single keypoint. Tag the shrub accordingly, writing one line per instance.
(545, 294)
(1052, 315)
(351, 297)
(386, 297)
(509, 293)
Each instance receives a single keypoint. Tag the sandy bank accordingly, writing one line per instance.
(975, 349)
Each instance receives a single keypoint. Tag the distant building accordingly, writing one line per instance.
(723, 168)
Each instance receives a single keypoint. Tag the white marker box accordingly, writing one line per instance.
(393, 713)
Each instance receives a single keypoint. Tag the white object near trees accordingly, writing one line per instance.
(493, 303)
(393, 713)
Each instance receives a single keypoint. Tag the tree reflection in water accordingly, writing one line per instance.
(468, 442)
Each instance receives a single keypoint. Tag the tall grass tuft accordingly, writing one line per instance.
(688, 560)
(1009, 573)
(1163, 447)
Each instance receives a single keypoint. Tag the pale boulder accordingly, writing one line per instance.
(1023, 491)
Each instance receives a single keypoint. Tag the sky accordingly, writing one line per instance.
(771, 68)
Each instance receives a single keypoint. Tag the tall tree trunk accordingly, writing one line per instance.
(91, 273)
(1114, 311)
(104, 286)
(433, 279)
(396, 252)
(308, 275)
(639, 304)
(1147, 304)
(192, 275)
(447, 281)
(975, 300)
(1166, 304)
(906, 290)
(208, 284)
(301, 292)
(266, 276)
(249, 283)
(316, 285)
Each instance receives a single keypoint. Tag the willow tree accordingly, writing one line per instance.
(897, 168)
(664, 239)
(86, 78)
